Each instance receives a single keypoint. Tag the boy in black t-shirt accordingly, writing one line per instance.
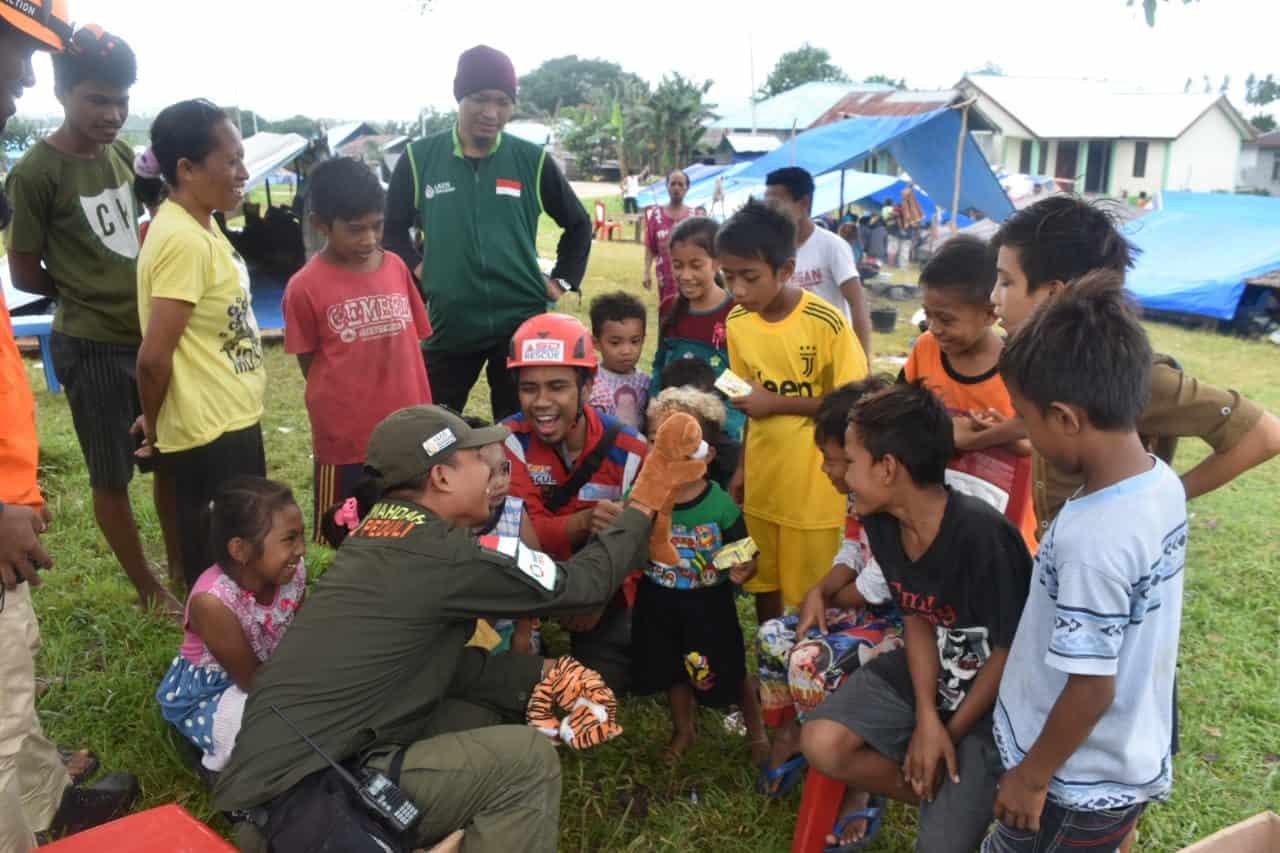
(915, 724)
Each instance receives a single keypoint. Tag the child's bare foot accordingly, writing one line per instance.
(680, 743)
(851, 829)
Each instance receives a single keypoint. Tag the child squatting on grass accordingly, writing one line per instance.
(237, 613)
(915, 723)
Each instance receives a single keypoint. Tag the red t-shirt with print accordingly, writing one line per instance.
(363, 330)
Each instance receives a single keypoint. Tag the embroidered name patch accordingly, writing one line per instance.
(509, 188)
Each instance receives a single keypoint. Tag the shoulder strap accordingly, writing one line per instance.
(586, 469)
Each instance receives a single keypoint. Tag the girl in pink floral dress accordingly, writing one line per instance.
(659, 222)
(236, 613)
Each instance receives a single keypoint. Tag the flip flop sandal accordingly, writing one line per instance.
(790, 772)
(69, 755)
(873, 814)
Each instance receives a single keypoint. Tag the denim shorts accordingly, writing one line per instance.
(1064, 829)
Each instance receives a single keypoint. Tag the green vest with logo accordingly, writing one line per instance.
(480, 274)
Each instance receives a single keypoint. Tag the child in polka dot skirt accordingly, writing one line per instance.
(236, 613)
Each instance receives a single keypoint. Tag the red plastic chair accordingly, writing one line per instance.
(167, 829)
(605, 227)
(1006, 473)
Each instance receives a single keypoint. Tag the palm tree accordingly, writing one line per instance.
(673, 119)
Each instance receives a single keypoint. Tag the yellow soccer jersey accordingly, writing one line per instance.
(809, 353)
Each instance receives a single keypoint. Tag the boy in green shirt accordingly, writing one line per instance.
(75, 237)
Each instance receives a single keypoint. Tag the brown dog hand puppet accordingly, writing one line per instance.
(676, 458)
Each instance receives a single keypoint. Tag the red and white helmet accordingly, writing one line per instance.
(552, 340)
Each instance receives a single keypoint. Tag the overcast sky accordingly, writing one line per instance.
(379, 59)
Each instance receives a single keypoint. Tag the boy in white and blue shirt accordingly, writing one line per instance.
(1085, 715)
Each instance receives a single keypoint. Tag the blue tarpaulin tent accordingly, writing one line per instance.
(924, 144)
(1199, 248)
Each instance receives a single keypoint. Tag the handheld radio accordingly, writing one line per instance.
(378, 793)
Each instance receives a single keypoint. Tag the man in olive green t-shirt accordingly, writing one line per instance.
(75, 238)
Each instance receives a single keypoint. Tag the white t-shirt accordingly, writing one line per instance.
(823, 263)
(1106, 599)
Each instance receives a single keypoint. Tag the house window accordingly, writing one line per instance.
(1140, 159)
(1275, 168)
(1044, 159)
(1024, 157)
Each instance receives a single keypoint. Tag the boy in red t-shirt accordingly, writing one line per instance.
(355, 320)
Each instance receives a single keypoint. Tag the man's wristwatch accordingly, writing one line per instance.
(563, 285)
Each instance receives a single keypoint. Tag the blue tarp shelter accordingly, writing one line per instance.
(924, 144)
(1199, 248)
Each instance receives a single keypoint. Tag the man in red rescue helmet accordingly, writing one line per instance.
(571, 464)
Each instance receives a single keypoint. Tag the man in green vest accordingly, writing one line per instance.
(476, 195)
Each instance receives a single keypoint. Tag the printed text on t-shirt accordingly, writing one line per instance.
(367, 317)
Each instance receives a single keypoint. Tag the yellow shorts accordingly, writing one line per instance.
(791, 560)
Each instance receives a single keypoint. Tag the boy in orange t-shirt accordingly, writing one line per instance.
(957, 357)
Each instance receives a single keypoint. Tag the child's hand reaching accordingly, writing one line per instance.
(743, 572)
(931, 751)
(813, 614)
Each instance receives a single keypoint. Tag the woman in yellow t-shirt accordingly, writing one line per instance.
(200, 370)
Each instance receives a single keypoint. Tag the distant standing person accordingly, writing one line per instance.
(75, 237)
(200, 370)
(630, 190)
(477, 194)
(659, 222)
(824, 262)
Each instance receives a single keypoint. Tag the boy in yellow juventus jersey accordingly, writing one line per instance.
(794, 349)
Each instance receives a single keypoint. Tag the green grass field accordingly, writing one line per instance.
(102, 657)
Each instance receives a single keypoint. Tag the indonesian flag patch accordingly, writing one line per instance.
(509, 187)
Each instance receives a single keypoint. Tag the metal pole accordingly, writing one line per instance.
(841, 192)
(955, 194)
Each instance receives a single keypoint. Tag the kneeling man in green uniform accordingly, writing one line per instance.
(375, 667)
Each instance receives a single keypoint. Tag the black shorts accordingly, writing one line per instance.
(197, 474)
(688, 636)
(101, 381)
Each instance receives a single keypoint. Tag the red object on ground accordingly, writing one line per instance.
(167, 829)
(605, 227)
(820, 805)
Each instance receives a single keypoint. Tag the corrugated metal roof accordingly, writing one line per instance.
(1097, 109)
(1269, 140)
(890, 103)
(799, 107)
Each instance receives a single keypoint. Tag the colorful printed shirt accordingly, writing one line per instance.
(363, 332)
(624, 396)
(700, 528)
(263, 624)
